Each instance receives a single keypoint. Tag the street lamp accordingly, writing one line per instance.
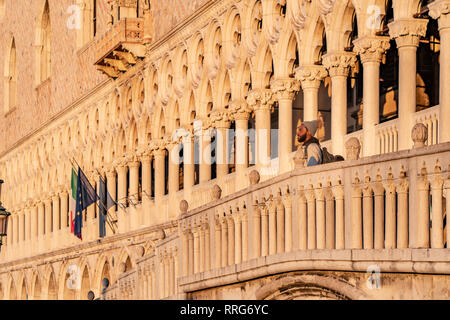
(3, 218)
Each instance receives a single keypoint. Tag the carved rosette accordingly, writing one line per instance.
(371, 49)
(407, 32)
(339, 64)
(310, 76)
(285, 89)
(440, 10)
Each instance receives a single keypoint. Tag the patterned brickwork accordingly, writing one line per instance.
(73, 70)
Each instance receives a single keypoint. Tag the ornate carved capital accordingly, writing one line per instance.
(220, 118)
(285, 89)
(261, 99)
(371, 48)
(240, 110)
(310, 76)
(339, 63)
(407, 32)
(158, 147)
(440, 10)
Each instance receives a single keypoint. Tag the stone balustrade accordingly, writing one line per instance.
(347, 215)
(430, 118)
(387, 135)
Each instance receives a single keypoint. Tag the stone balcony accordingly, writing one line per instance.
(121, 47)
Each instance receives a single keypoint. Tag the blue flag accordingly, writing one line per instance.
(106, 202)
(85, 197)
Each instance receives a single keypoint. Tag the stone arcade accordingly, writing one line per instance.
(227, 210)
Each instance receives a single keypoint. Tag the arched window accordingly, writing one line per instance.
(44, 45)
(11, 77)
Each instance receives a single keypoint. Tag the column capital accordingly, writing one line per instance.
(371, 48)
(240, 110)
(260, 99)
(407, 32)
(109, 170)
(220, 118)
(310, 76)
(144, 153)
(339, 63)
(158, 147)
(285, 88)
(440, 10)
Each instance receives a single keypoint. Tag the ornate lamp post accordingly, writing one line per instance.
(3, 218)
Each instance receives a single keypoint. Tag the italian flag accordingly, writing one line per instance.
(73, 201)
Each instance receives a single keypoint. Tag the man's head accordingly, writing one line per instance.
(306, 130)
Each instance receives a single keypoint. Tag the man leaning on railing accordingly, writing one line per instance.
(312, 151)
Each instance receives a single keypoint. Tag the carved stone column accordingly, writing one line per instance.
(310, 77)
(133, 165)
(146, 163)
(261, 101)
(241, 114)
(285, 91)
(224, 241)
(173, 148)
(205, 150)
(122, 197)
(407, 33)
(111, 186)
(220, 119)
(440, 10)
(63, 198)
(339, 65)
(188, 161)
(302, 220)
(48, 216)
(371, 50)
(159, 153)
